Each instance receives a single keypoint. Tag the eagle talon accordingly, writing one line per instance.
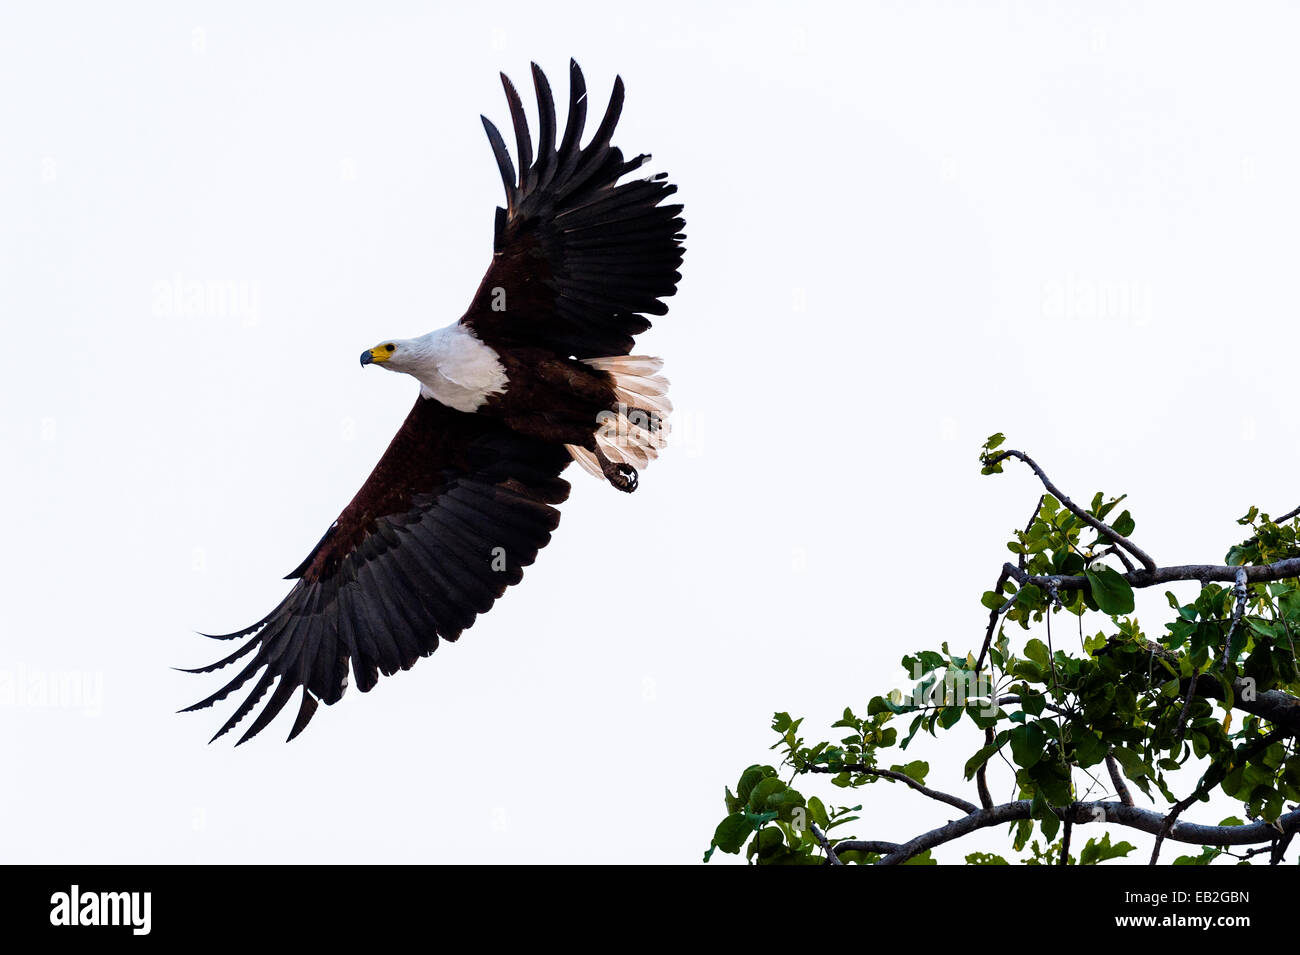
(622, 476)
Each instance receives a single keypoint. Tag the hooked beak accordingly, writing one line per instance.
(378, 354)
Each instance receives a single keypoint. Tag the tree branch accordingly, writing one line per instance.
(981, 774)
(955, 801)
(1240, 592)
(1150, 577)
(1279, 708)
(1050, 707)
(1239, 758)
(867, 845)
(1143, 558)
(1144, 820)
(1117, 780)
(996, 612)
(1123, 557)
(831, 857)
(1287, 516)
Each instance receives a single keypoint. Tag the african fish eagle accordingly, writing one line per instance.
(536, 374)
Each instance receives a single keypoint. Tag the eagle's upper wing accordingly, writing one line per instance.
(577, 256)
(456, 508)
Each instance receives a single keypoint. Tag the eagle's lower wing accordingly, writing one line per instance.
(451, 515)
(579, 259)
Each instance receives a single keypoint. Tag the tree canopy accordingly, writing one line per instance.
(1208, 705)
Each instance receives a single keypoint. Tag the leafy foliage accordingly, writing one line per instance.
(1056, 714)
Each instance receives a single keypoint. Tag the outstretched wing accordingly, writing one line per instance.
(451, 515)
(578, 257)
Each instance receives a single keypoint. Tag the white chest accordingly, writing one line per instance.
(457, 369)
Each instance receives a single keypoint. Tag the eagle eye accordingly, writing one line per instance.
(391, 347)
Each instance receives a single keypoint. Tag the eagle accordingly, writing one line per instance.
(537, 374)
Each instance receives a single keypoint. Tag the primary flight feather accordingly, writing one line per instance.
(536, 374)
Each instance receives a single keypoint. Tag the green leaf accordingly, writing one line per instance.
(1023, 829)
(1026, 745)
(916, 769)
(921, 858)
(1036, 650)
(1088, 746)
(817, 810)
(1208, 855)
(784, 802)
(730, 834)
(1095, 852)
(985, 858)
(1050, 826)
(1134, 766)
(1110, 590)
(983, 754)
(916, 725)
(758, 798)
(1029, 596)
(733, 802)
(1093, 644)
(750, 778)
(1072, 564)
(1238, 555)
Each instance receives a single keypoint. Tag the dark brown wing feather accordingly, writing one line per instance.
(412, 559)
(579, 258)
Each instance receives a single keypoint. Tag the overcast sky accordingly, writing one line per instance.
(909, 225)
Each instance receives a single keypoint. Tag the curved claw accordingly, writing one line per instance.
(622, 476)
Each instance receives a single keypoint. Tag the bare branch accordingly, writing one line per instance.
(1117, 780)
(981, 774)
(1032, 517)
(1240, 592)
(867, 845)
(1188, 696)
(995, 613)
(1050, 707)
(1279, 848)
(1123, 557)
(1287, 516)
(955, 801)
(831, 857)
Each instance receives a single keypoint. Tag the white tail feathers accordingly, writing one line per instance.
(637, 382)
(639, 430)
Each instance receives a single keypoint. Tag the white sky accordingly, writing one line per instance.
(910, 225)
